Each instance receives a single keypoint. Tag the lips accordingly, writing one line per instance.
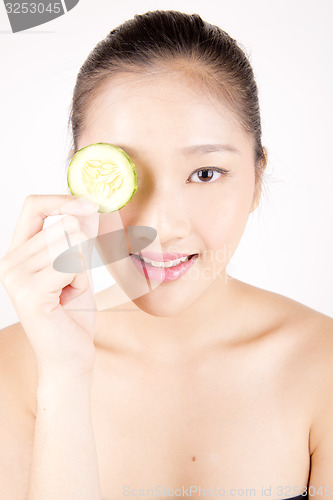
(164, 257)
(163, 274)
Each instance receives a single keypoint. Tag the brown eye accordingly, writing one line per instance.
(206, 175)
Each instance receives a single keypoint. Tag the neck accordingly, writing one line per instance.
(213, 319)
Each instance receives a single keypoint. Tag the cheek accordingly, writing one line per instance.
(220, 214)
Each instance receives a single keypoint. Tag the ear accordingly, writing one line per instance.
(258, 186)
(256, 196)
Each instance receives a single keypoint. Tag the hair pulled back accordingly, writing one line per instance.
(172, 39)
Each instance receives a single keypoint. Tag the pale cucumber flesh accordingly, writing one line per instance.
(103, 173)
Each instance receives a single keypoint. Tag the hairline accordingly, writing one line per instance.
(209, 84)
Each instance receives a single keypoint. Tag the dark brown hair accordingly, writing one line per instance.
(183, 42)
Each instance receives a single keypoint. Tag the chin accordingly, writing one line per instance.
(165, 303)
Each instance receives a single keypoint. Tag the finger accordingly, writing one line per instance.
(53, 288)
(37, 290)
(21, 277)
(37, 207)
(44, 239)
(75, 288)
(54, 249)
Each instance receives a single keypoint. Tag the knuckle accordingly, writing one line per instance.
(30, 199)
(18, 287)
(9, 278)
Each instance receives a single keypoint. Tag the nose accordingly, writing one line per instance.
(166, 213)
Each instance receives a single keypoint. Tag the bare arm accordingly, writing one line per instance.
(64, 462)
(321, 434)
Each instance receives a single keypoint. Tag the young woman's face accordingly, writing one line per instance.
(162, 122)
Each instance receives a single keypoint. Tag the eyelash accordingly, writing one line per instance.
(220, 170)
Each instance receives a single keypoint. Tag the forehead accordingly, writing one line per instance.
(165, 106)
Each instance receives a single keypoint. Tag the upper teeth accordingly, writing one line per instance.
(168, 263)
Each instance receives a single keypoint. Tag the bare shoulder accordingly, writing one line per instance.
(302, 340)
(312, 334)
(298, 335)
(308, 335)
(17, 417)
(282, 314)
(314, 328)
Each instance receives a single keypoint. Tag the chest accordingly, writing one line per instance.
(208, 427)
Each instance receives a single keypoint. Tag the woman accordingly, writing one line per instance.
(202, 385)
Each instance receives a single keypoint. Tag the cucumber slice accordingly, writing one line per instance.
(103, 173)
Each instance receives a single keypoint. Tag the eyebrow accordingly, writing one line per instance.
(196, 148)
(208, 148)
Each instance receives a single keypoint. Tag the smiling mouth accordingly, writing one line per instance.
(165, 263)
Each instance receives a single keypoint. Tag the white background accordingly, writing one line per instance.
(287, 246)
